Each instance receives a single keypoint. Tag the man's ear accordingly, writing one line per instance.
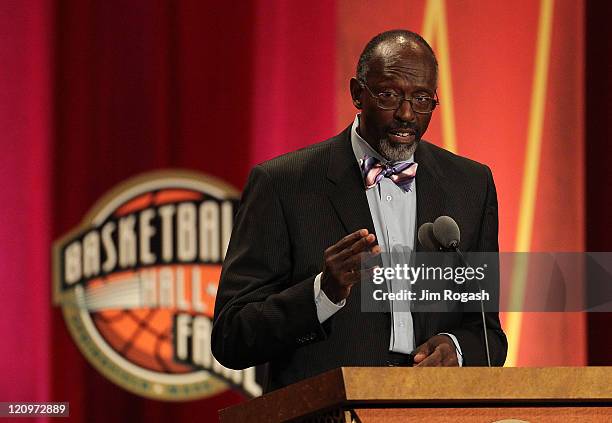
(356, 92)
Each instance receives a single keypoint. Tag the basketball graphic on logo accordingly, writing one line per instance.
(137, 284)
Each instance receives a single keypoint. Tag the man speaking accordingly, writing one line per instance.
(289, 293)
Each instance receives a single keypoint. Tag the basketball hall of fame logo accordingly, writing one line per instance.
(137, 282)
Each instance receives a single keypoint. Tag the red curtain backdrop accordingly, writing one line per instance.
(94, 92)
(26, 31)
(293, 76)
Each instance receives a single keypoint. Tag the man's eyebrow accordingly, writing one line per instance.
(425, 89)
(393, 85)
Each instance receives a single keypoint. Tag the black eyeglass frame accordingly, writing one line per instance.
(436, 101)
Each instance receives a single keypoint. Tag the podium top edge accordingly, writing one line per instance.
(352, 386)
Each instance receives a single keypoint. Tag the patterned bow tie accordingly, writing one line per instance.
(402, 173)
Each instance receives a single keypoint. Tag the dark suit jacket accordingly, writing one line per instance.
(293, 208)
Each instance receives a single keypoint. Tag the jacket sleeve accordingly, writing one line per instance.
(470, 334)
(261, 313)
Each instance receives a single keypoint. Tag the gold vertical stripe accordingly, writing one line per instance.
(435, 29)
(447, 111)
(429, 20)
(530, 174)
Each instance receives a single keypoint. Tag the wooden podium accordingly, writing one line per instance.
(401, 394)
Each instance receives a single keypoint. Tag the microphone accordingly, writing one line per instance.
(427, 238)
(446, 231)
(447, 234)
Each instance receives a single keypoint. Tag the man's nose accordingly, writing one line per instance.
(404, 112)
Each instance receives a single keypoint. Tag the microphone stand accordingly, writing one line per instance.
(455, 247)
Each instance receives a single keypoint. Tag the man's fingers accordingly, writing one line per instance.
(432, 360)
(362, 244)
(421, 352)
(347, 241)
(344, 260)
(357, 247)
(359, 275)
(354, 242)
(364, 259)
(437, 351)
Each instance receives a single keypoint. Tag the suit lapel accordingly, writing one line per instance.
(431, 203)
(431, 188)
(345, 186)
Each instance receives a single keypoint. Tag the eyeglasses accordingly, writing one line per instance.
(391, 101)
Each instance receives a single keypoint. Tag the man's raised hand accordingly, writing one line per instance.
(342, 267)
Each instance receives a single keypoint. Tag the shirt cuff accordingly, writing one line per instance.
(457, 347)
(325, 307)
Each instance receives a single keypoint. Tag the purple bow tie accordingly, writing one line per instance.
(402, 173)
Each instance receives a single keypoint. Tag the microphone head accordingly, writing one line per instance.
(446, 231)
(426, 237)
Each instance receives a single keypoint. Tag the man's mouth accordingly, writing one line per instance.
(403, 136)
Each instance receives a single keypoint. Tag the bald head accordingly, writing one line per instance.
(387, 46)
